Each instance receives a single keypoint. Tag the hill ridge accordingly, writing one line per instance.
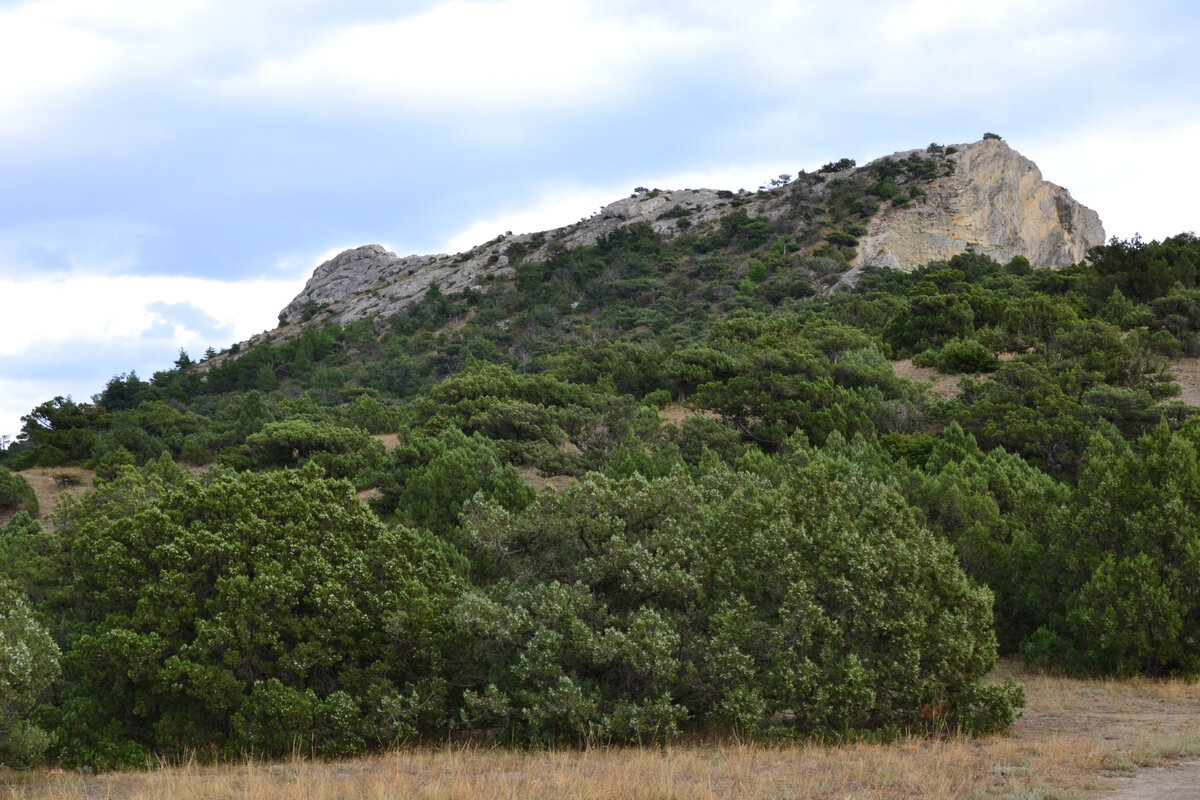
(899, 211)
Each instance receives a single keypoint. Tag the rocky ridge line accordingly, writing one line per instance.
(993, 201)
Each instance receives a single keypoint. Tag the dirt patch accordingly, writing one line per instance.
(389, 440)
(50, 484)
(676, 413)
(1176, 782)
(538, 481)
(1187, 376)
(939, 383)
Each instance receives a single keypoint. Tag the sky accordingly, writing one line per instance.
(172, 172)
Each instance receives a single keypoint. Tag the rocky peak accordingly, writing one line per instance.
(994, 202)
(985, 197)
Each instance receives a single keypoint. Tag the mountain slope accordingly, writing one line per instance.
(899, 211)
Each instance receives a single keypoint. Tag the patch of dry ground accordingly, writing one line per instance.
(676, 413)
(533, 477)
(941, 384)
(1187, 375)
(1077, 740)
(389, 440)
(51, 483)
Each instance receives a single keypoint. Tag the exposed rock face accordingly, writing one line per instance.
(351, 276)
(996, 203)
(371, 280)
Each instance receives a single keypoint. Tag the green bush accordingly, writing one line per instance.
(630, 610)
(966, 355)
(243, 613)
(17, 494)
(1118, 572)
(28, 665)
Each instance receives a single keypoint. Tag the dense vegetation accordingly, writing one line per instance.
(814, 547)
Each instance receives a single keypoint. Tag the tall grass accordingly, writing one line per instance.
(1074, 737)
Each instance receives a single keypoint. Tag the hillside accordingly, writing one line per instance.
(672, 473)
(908, 209)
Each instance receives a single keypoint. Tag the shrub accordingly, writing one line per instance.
(16, 493)
(244, 612)
(966, 355)
(1115, 579)
(28, 665)
(631, 609)
(838, 166)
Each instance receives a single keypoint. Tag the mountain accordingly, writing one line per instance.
(994, 202)
(899, 211)
(663, 473)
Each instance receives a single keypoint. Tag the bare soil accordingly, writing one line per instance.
(1180, 781)
(389, 440)
(939, 383)
(677, 412)
(533, 477)
(1187, 375)
(73, 481)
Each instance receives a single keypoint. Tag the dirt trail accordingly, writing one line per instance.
(1180, 781)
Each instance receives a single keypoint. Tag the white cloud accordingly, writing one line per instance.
(56, 61)
(97, 308)
(469, 57)
(115, 323)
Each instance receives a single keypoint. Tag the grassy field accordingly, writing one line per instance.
(1075, 740)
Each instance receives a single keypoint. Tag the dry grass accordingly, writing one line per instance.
(1187, 375)
(676, 413)
(48, 489)
(389, 440)
(940, 384)
(1077, 737)
(533, 477)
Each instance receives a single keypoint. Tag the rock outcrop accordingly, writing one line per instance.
(987, 198)
(373, 281)
(995, 202)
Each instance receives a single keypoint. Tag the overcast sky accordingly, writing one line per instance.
(171, 172)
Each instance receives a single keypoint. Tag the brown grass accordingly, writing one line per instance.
(1075, 738)
(940, 384)
(1187, 375)
(676, 413)
(533, 477)
(389, 440)
(48, 489)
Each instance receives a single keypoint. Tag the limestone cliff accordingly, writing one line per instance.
(984, 196)
(373, 281)
(994, 202)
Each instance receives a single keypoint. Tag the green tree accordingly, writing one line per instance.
(632, 609)
(28, 665)
(60, 431)
(16, 493)
(1122, 569)
(204, 612)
